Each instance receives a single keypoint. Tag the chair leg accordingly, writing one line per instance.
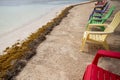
(83, 44)
(105, 45)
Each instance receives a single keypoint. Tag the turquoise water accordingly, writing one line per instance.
(20, 18)
(12, 17)
(16, 13)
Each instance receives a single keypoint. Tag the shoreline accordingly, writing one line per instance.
(9, 39)
(21, 53)
(16, 36)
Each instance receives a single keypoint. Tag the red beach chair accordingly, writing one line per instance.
(101, 2)
(93, 72)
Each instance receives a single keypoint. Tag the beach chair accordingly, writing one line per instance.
(103, 17)
(100, 37)
(97, 20)
(101, 11)
(94, 72)
(100, 3)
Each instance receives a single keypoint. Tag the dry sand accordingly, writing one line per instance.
(59, 56)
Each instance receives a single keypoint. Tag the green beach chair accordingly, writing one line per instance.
(97, 15)
(96, 20)
(104, 16)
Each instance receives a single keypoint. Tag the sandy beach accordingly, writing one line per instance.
(59, 56)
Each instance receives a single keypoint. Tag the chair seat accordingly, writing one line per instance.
(93, 72)
(96, 22)
(99, 38)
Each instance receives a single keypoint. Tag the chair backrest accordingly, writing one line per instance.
(113, 25)
(105, 8)
(115, 22)
(106, 16)
(101, 11)
(101, 4)
(109, 13)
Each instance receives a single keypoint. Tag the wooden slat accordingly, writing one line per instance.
(101, 75)
(107, 75)
(94, 73)
(113, 77)
(118, 78)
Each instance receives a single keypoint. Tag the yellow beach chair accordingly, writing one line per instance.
(100, 37)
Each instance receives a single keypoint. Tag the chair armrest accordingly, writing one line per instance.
(104, 53)
(98, 32)
(96, 25)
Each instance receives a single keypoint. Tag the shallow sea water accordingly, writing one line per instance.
(16, 13)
